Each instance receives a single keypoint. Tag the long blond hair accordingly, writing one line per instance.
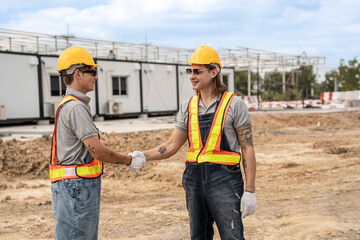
(219, 86)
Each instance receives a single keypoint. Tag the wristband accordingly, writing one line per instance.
(249, 191)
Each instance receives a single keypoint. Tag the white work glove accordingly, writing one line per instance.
(248, 204)
(138, 160)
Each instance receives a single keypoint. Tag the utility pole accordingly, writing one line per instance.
(146, 49)
(67, 35)
(258, 81)
(335, 82)
(269, 98)
(312, 81)
(249, 80)
(303, 85)
(303, 64)
(283, 80)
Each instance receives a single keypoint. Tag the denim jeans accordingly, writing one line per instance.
(213, 193)
(76, 208)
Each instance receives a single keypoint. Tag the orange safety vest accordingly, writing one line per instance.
(211, 152)
(59, 172)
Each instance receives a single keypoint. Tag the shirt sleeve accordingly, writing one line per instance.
(81, 123)
(182, 115)
(241, 113)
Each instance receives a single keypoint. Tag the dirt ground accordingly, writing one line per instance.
(308, 184)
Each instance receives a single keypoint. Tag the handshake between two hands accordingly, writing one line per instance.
(138, 159)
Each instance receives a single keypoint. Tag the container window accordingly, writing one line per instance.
(123, 86)
(119, 86)
(57, 87)
(115, 85)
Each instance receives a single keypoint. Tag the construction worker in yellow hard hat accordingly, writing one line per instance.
(77, 154)
(217, 125)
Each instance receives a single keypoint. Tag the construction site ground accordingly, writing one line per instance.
(308, 182)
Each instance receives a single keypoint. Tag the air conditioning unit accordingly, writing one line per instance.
(2, 112)
(114, 107)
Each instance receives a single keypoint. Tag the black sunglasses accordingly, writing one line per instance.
(92, 71)
(195, 71)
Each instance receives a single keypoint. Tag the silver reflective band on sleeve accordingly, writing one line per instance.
(70, 172)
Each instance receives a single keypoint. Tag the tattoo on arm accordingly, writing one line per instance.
(245, 135)
(244, 163)
(162, 150)
(90, 149)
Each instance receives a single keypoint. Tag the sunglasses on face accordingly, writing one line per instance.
(195, 71)
(92, 71)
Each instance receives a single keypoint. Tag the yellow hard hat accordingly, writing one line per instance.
(205, 55)
(74, 55)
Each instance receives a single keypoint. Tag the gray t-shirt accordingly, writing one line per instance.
(237, 117)
(74, 124)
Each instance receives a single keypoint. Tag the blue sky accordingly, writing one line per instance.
(326, 28)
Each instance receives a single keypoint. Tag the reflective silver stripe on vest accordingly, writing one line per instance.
(70, 172)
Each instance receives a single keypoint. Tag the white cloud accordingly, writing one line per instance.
(327, 28)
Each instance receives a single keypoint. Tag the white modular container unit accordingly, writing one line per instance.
(184, 84)
(228, 78)
(54, 87)
(118, 87)
(19, 86)
(31, 88)
(159, 88)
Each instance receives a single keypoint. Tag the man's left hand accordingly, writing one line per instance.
(248, 203)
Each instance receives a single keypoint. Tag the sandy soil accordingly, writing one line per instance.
(308, 184)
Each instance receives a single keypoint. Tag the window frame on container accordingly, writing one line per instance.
(119, 85)
(55, 80)
(226, 76)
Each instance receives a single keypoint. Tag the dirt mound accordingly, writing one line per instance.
(343, 147)
(30, 159)
(328, 121)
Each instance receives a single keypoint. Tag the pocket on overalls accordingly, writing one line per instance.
(232, 168)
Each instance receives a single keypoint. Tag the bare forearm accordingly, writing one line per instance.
(249, 165)
(110, 156)
(162, 151)
(169, 148)
(105, 154)
(248, 156)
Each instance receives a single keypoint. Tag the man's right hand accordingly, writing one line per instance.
(137, 161)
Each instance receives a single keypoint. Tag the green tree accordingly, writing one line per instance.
(328, 84)
(241, 83)
(273, 84)
(273, 87)
(349, 75)
(306, 80)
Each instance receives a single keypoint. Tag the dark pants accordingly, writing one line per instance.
(213, 193)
